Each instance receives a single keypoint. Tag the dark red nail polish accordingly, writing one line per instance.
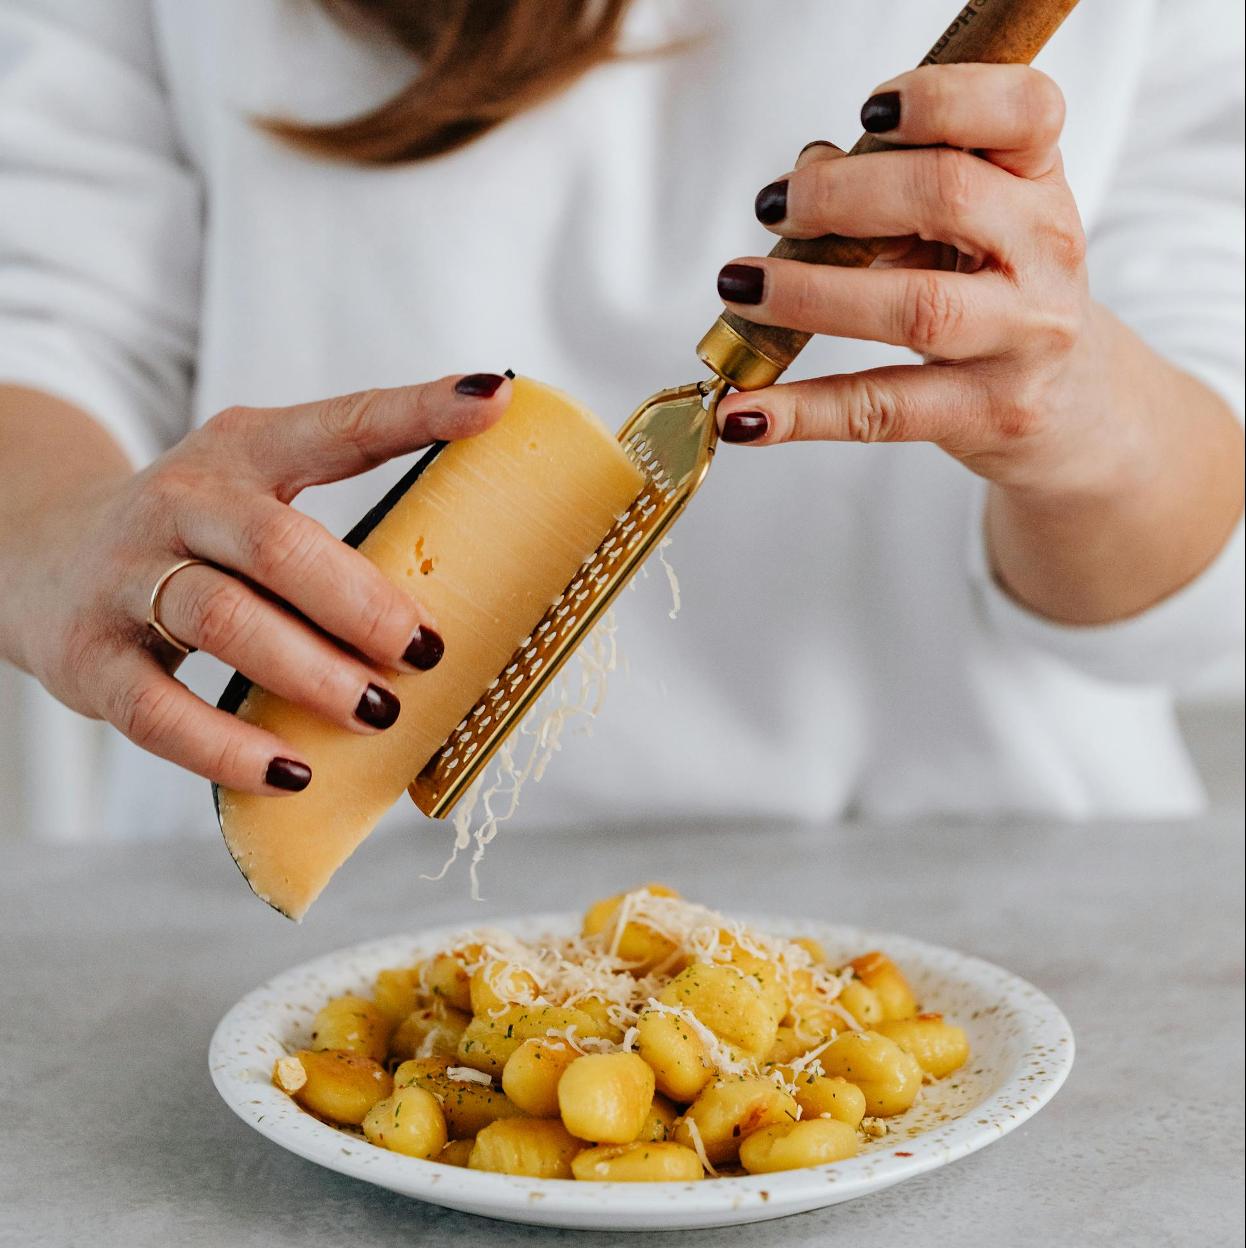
(425, 650)
(816, 143)
(741, 283)
(285, 773)
(744, 426)
(881, 112)
(771, 203)
(378, 708)
(479, 385)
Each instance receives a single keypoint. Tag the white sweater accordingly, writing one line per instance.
(841, 647)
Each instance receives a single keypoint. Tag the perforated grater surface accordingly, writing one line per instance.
(671, 439)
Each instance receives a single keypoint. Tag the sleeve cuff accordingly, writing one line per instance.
(1168, 644)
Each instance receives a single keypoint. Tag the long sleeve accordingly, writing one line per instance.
(100, 220)
(1166, 254)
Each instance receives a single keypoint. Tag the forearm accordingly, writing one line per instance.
(51, 455)
(1148, 526)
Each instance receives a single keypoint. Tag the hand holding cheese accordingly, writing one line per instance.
(492, 529)
(284, 599)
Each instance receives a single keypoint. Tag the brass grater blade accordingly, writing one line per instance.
(671, 438)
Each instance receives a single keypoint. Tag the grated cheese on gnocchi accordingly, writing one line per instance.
(685, 1029)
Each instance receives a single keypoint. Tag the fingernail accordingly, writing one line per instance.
(425, 650)
(771, 203)
(881, 112)
(741, 283)
(285, 773)
(479, 385)
(378, 708)
(815, 143)
(744, 426)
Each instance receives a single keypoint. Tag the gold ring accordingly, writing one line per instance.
(153, 606)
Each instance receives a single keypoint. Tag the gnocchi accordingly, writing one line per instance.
(339, 1086)
(663, 1043)
(531, 1074)
(540, 1148)
(729, 1111)
(352, 1025)
(410, 1121)
(469, 1105)
(639, 1162)
(888, 1076)
(794, 1145)
(605, 1097)
(939, 1047)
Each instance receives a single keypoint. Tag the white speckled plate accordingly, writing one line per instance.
(1022, 1052)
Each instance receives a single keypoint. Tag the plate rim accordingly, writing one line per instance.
(526, 1199)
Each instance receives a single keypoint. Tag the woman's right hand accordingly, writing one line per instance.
(285, 602)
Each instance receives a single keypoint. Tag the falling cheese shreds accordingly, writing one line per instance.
(578, 692)
(671, 579)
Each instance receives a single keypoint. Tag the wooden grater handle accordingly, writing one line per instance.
(750, 356)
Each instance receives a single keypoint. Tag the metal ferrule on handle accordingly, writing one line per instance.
(750, 356)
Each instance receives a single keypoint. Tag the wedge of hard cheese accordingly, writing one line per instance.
(486, 533)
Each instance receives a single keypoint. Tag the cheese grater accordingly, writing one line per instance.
(671, 437)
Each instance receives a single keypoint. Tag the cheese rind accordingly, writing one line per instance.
(487, 535)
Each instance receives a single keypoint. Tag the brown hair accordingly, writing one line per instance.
(481, 62)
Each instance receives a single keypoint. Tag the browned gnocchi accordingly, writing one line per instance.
(664, 1043)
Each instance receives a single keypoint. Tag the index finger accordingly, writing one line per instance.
(290, 448)
(1011, 114)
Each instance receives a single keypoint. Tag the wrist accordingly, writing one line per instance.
(1137, 503)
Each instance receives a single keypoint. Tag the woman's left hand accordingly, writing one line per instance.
(1027, 380)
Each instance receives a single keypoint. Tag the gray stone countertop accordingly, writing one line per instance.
(116, 963)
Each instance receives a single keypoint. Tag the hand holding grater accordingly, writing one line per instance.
(671, 437)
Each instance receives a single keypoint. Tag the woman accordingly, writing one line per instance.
(987, 614)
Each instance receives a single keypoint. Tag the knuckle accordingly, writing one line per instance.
(349, 418)
(168, 488)
(933, 312)
(324, 685)
(147, 713)
(226, 760)
(163, 497)
(799, 290)
(1041, 105)
(1065, 241)
(277, 542)
(223, 617)
(1016, 403)
(812, 195)
(952, 182)
(230, 421)
(873, 413)
(1055, 331)
(381, 628)
(1063, 329)
(1016, 415)
(802, 421)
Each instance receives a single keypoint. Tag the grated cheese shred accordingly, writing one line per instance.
(466, 1074)
(575, 697)
(698, 1145)
(571, 970)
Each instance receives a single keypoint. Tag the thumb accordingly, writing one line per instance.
(901, 403)
(291, 448)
